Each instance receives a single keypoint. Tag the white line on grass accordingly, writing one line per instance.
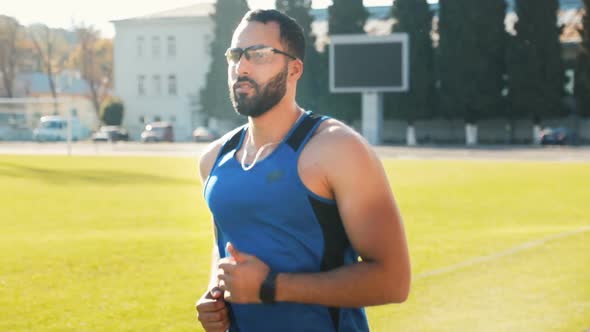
(503, 253)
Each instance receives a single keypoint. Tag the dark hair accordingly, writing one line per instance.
(292, 36)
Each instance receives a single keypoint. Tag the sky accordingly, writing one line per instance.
(98, 13)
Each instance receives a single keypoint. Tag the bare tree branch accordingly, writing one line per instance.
(9, 35)
(44, 39)
(93, 58)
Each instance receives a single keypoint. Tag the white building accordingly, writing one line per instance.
(160, 64)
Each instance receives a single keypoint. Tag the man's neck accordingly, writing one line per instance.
(272, 126)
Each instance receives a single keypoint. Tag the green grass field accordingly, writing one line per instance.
(123, 244)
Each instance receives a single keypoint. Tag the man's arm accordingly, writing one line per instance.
(211, 307)
(206, 162)
(214, 262)
(373, 224)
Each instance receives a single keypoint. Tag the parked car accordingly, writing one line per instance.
(559, 136)
(55, 128)
(204, 134)
(110, 134)
(158, 132)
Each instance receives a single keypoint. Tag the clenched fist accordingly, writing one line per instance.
(212, 311)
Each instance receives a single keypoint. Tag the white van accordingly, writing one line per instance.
(55, 128)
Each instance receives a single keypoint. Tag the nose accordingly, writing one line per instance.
(243, 66)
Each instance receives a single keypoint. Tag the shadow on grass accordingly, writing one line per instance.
(99, 177)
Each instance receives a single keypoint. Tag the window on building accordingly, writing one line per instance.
(156, 46)
(140, 46)
(157, 84)
(141, 85)
(171, 46)
(172, 85)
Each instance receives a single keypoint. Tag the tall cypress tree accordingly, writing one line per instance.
(582, 77)
(472, 48)
(345, 17)
(308, 88)
(535, 67)
(450, 58)
(415, 18)
(214, 97)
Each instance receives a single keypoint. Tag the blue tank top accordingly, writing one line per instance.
(268, 212)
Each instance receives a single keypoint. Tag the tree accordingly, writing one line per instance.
(10, 38)
(51, 48)
(308, 88)
(345, 17)
(214, 97)
(471, 63)
(535, 68)
(93, 57)
(111, 112)
(415, 18)
(582, 77)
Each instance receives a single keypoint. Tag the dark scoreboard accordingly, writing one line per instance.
(362, 63)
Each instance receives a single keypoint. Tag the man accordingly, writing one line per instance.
(307, 229)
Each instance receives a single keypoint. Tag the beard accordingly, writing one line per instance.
(262, 100)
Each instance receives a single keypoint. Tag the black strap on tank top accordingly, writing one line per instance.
(231, 143)
(304, 129)
(294, 141)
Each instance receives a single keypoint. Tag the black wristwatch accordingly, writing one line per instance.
(268, 288)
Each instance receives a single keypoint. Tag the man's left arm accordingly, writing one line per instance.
(374, 227)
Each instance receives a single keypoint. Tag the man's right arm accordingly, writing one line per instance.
(206, 162)
(211, 307)
(214, 262)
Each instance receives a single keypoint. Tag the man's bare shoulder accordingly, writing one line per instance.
(334, 153)
(210, 153)
(334, 135)
(335, 142)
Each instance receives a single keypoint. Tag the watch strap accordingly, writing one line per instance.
(268, 288)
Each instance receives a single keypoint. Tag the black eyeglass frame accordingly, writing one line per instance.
(244, 51)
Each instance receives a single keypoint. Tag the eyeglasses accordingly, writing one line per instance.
(257, 54)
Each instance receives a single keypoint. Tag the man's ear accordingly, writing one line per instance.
(295, 69)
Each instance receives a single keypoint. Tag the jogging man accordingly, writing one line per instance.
(307, 229)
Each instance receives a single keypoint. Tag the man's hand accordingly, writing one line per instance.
(212, 311)
(240, 276)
